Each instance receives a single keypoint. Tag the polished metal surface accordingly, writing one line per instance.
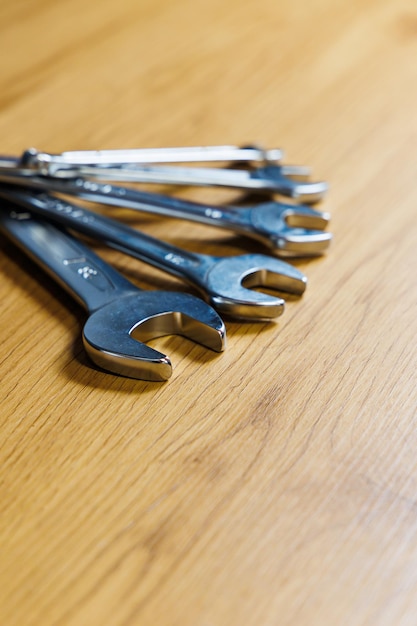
(288, 229)
(51, 164)
(121, 316)
(270, 177)
(222, 280)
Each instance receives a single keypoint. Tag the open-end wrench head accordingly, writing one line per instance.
(291, 229)
(113, 335)
(288, 183)
(230, 279)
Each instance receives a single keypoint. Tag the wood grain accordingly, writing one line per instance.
(275, 483)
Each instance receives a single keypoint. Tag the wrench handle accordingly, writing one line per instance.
(237, 220)
(167, 257)
(89, 279)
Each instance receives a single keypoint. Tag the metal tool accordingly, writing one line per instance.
(50, 164)
(224, 281)
(269, 179)
(288, 181)
(120, 315)
(290, 230)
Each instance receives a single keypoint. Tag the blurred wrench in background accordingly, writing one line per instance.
(53, 164)
(290, 230)
(288, 181)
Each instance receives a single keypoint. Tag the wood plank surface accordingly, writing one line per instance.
(276, 483)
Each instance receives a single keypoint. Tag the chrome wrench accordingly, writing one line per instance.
(121, 316)
(272, 178)
(54, 164)
(224, 281)
(289, 230)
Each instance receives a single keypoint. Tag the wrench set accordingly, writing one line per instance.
(34, 214)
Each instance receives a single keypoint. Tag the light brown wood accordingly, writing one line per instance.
(275, 483)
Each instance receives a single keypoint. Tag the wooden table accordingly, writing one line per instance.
(274, 484)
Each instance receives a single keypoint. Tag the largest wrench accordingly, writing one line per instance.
(120, 315)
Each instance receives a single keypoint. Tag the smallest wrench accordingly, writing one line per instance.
(51, 164)
(121, 316)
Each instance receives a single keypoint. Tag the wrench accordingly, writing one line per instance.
(120, 314)
(52, 164)
(222, 280)
(289, 230)
(268, 179)
(285, 180)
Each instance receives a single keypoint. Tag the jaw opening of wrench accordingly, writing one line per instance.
(179, 323)
(233, 279)
(291, 230)
(125, 352)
